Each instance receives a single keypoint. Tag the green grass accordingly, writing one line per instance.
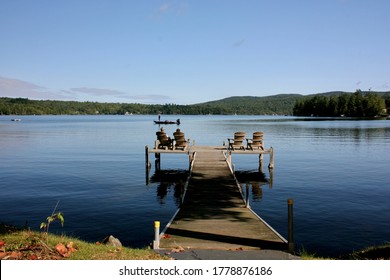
(381, 252)
(27, 244)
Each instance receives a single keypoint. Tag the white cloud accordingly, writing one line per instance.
(176, 8)
(18, 88)
(11, 87)
(164, 7)
(109, 94)
(99, 91)
(151, 97)
(161, 10)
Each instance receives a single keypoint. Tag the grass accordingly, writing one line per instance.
(31, 245)
(311, 256)
(381, 252)
(24, 244)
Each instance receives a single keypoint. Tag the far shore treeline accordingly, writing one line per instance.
(331, 104)
(358, 104)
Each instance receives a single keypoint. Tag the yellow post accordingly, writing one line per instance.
(156, 242)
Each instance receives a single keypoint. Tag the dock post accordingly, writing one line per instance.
(147, 156)
(190, 159)
(271, 158)
(291, 244)
(156, 241)
(147, 164)
(261, 163)
(247, 197)
(157, 161)
(229, 160)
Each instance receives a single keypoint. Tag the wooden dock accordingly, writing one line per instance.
(213, 214)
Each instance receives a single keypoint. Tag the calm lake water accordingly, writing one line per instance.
(337, 172)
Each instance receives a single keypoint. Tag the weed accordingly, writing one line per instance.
(54, 216)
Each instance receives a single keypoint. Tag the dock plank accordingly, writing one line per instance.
(213, 214)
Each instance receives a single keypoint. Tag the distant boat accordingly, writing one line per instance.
(168, 122)
(16, 120)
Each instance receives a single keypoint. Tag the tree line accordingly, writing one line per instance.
(358, 104)
(332, 104)
(282, 104)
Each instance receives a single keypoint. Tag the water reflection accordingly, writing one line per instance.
(251, 183)
(356, 135)
(354, 130)
(168, 179)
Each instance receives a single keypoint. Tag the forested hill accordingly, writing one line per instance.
(282, 104)
(286, 104)
(242, 105)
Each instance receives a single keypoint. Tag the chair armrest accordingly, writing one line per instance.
(156, 143)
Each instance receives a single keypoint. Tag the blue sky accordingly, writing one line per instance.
(191, 51)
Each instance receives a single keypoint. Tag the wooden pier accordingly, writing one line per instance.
(214, 214)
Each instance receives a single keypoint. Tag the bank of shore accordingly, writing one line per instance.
(25, 244)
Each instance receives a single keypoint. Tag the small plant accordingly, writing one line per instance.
(54, 216)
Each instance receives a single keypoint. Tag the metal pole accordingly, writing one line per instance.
(291, 244)
(156, 242)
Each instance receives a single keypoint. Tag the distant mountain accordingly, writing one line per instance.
(253, 105)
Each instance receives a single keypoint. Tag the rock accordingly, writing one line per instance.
(112, 241)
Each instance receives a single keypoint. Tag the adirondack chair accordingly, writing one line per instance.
(237, 141)
(163, 141)
(257, 141)
(180, 141)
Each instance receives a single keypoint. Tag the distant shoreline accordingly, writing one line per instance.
(280, 105)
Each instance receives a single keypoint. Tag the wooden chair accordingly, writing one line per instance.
(180, 141)
(163, 141)
(257, 142)
(237, 141)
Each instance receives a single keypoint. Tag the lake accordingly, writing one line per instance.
(336, 171)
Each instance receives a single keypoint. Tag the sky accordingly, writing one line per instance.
(191, 51)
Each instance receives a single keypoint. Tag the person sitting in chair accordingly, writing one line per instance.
(164, 140)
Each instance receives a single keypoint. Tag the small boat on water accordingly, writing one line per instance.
(168, 122)
(16, 120)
